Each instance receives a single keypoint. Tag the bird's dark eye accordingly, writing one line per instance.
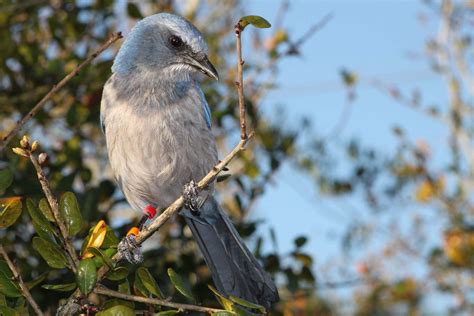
(175, 41)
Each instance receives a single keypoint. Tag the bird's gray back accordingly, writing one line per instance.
(157, 137)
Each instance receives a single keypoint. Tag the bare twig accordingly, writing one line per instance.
(154, 301)
(24, 289)
(53, 203)
(313, 29)
(56, 88)
(240, 81)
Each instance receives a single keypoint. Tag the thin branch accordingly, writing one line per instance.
(56, 88)
(154, 301)
(313, 29)
(240, 81)
(23, 287)
(53, 203)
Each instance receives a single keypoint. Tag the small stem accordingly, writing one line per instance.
(240, 82)
(53, 203)
(154, 301)
(23, 287)
(56, 88)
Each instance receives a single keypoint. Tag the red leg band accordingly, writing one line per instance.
(150, 211)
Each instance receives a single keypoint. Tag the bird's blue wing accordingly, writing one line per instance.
(207, 113)
(205, 108)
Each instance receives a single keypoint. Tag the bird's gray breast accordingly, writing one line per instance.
(157, 139)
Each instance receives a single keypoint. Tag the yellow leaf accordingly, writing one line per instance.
(459, 246)
(97, 238)
(429, 189)
(5, 201)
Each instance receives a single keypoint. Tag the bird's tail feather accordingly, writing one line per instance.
(235, 271)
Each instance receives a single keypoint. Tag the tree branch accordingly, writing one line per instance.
(53, 203)
(240, 81)
(23, 287)
(19, 125)
(154, 301)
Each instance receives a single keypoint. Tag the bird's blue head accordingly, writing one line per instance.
(167, 44)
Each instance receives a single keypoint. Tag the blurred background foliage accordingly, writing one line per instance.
(44, 40)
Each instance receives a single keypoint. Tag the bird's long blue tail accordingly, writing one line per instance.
(235, 271)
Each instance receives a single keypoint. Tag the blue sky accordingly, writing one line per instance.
(374, 39)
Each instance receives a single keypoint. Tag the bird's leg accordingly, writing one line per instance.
(190, 196)
(128, 247)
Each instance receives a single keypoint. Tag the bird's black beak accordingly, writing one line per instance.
(202, 63)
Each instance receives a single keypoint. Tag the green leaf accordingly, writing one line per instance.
(42, 227)
(255, 20)
(116, 302)
(118, 310)
(3, 300)
(124, 287)
(243, 312)
(103, 257)
(6, 179)
(117, 274)
(67, 287)
(86, 276)
(223, 313)
(46, 210)
(300, 241)
(226, 303)
(149, 282)
(179, 284)
(167, 313)
(133, 11)
(111, 239)
(7, 285)
(139, 288)
(7, 311)
(31, 284)
(10, 213)
(50, 252)
(69, 209)
(223, 177)
(248, 304)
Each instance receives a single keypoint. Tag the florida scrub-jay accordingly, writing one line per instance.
(157, 126)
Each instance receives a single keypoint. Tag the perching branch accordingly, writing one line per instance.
(240, 81)
(154, 301)
(19, 125)
(24, 289)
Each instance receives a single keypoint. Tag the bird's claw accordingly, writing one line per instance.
(130, 250)
(190, 196)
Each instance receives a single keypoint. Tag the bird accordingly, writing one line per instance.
(158, 131)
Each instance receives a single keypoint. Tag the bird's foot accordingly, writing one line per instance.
(129, 249)
(190, 195)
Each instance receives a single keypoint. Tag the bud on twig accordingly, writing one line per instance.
(34, 146)
(24, 142)
(42, 158)
(20, 152)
